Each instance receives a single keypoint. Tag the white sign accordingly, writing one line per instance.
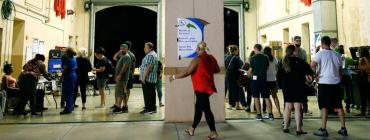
(190, 31)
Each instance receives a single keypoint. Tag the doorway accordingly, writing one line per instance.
(115, 25)
(231, 27)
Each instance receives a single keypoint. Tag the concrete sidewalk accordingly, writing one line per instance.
(230, 130)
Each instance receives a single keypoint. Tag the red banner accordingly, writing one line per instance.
(307, 2)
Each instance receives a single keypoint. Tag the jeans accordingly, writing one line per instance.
(149, 96)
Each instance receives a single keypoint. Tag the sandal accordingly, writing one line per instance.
(189, 132)
(212, 137)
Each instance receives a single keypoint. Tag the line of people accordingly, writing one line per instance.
(262, 75)
(151, 70)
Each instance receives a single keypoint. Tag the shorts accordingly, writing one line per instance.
(272, 85)
(121, 89)
(101, 83)
(130, 82)
(330, 96)
(259, 89)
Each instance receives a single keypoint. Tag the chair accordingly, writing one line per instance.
(49, 88)
(7, 102)
(2, 103)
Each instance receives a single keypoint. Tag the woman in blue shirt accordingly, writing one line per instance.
(69, 78)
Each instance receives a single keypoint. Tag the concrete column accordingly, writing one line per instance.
(325, 18)
(180, 97)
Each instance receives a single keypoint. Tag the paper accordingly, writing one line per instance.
(254, 77)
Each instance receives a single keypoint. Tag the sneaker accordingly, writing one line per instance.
(113, 107)
(248, 109)
(259, 117)
(360, 115)
(152, 112)
(124, 109)
(117, 110)
(343, 132)
(144, 112)
(83, 108)
(308, 113)
(161, 104)
(321, 132)
(271, 116)
(34, 114)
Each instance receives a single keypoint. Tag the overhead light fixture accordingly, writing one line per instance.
(87, 5)
(246, 6)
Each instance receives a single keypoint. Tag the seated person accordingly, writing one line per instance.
(9, 82)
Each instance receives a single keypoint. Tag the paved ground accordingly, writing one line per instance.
(98, 124)
(91, 114)
(157, 130)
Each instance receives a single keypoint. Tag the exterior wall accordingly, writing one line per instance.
(250, 26)
(41, 23)
(269, 18)
(353, 22)
(180, 94)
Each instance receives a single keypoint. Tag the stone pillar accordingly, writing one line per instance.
(180, 99)
(325, 18)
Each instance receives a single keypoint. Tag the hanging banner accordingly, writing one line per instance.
(190, 31)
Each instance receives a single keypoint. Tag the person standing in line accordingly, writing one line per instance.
(347, 79)
(292, 73)
(130, 83)
(102, 75)
(227, 59)
(69, 79)
(364, 78)
(302, 54)
(148, 78)
(27, 82)
(248, 89)
(258, 71)
(122, 74)
(83, 68)
(202, 69)
(329, 78)
(233, 74)
(158, 86)
(271, 77)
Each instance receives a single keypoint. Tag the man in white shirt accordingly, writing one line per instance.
(329, 65)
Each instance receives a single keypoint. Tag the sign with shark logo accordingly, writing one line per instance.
(190, 31)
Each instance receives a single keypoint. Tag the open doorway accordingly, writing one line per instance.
(231, 27)
(114, 26)
(17, 56)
